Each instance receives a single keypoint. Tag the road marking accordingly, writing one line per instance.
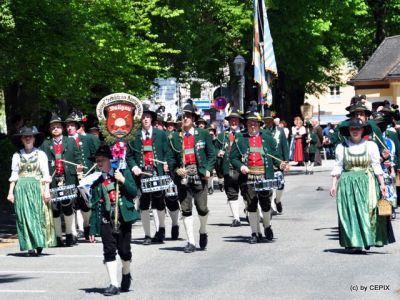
(45, 272)
(23, 291)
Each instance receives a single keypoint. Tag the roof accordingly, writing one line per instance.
(384, 62)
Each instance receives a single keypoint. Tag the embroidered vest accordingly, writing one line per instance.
(29, 167)
(354, 162)
(58, 163)
(148, 152)
(256, 152)
(188, 148)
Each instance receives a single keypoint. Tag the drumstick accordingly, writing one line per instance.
(90, 170)
(282, 161)
(71, 163)
(147, 174)
(159, 161)
(379, 140)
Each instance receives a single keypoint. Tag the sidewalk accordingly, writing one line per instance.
(8, 230)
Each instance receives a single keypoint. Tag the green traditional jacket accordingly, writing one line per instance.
(88, 145)
(126, 204)
(161, 151)
(70, 153)
(204, 151)
(311, 148)
(239, 154)
(222, 143)
(282, 145)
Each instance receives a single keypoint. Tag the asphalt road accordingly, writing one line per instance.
(304, 261)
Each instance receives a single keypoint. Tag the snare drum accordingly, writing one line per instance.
(265, 185)
(279, 176)
(155, 184)
(172, 192)
(63, 193)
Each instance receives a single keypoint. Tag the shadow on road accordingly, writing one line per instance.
(349, 252)
(93, 290)
(237, 239)
(178, 249)
(11, 278)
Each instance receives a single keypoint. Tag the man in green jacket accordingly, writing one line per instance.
(282, 148)
(65, 162)
(255, 156)
(88, 145)
(149, 155)
(194, 161)
(225, 142)
(111, 200)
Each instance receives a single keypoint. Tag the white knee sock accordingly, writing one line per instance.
(311, 166)
(188, 224)
(79, 219)
(253, 219)
(86, 218)
(145, 217)
(69, 222)
(203, 223)
(174, 217)
(279, 196)
(266, 218)
(161, 218)
(234, 206)
(112, 272)
(57, 226)
(126, 266)
(259, 216)
(155, 218)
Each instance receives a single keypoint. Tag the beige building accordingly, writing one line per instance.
(330, 105)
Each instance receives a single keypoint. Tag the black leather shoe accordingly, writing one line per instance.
(279, 207)
(69, 240)
(236, 223)
(159, 237)
(189, 248)
(269, 235)
(86, 232)
(175, 232)
(203, 241)
(60, 242)
(39, 251)
(111, 291)
(253, 238)
(147, 240)
(126, 283)
(210, 191)
(74, 240)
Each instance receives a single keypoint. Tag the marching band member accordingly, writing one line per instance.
(309, 143)
(225, 143)
(251, 158)
(88, 145)
(172, 204)
(60, 150)
(112, 198)
(147, 153)
(195, 157)
(282, 147)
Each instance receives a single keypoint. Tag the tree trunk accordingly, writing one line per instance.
(379, 10)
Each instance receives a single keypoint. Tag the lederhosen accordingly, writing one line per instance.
(192, 185)
(254, 160)
(156, 199)
(231, 184)
(113, 241)
(67, 206)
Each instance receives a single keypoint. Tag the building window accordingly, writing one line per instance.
(334, 91)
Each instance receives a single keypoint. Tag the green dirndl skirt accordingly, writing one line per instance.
(359, 223)
(35, 225)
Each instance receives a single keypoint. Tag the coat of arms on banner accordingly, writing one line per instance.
(119, 116)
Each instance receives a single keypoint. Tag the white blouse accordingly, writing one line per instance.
(301, 130)
(373, 152)
(43, 164)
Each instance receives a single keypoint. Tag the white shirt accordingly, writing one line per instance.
(301, 130)
(43, 164)
(150, 131)
(373, 152)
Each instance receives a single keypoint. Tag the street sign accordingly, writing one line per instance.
(202, 103)
(220, 103)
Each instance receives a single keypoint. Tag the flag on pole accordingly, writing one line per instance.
(263, 52)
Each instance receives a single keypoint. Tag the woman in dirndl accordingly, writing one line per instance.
(298, 132)
(29, 192)
(355, 176)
